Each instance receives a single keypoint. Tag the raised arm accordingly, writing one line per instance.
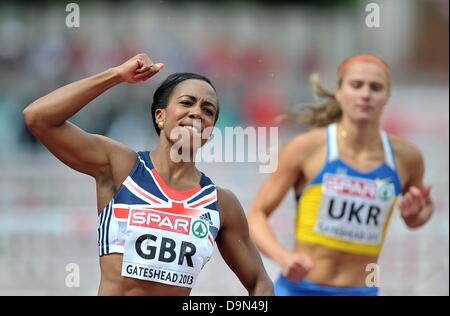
(47, 117)
(294, 265)
(237, 249)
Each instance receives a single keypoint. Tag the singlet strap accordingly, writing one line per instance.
(332, 145)
(145, 156)
(388, 153)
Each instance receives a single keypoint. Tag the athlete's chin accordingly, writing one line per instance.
(192, 144)
(186, 146)
(363, 118)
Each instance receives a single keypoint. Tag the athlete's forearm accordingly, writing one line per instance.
(263, 286)
(56, 107)
(264, 238)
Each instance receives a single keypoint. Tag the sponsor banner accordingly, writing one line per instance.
(166, 276)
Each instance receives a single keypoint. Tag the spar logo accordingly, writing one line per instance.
(160, 220)
(346, 185)
(199, 229)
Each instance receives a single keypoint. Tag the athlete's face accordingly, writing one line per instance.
(192, 110)
(364, 92)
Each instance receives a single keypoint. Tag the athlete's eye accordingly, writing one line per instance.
(356, 84)
(209, 112)
(376, 87)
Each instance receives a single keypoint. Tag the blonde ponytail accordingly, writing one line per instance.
(322, 114)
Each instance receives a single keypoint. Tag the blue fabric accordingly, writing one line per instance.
(286, 287)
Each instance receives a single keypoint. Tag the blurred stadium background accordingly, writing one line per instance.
(259, 54)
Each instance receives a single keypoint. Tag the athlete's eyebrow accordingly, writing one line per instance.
(187, 95)
(206, 102)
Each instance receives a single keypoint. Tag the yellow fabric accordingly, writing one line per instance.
(307, 212)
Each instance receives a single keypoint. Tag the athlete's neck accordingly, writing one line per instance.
(174, 172)
(358, 136)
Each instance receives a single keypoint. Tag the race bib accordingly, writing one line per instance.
(354, 209)
(165, 247)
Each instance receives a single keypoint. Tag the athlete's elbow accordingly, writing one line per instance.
(253, 219)
(29, 117)
(255, 213)
(33, 118)
(251, 214)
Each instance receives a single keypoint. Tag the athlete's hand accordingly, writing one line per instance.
(413, 201)
(138, 68)
(295, 266)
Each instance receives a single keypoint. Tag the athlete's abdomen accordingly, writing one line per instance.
(113, 284)
(338, 268)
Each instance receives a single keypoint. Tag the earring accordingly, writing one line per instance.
(161, 125)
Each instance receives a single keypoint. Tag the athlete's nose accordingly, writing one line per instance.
(366, 92)
(195, 112)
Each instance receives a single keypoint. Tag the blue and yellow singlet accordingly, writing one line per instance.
(346, 209)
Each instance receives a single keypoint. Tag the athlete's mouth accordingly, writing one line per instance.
(364, 107)
(193, 128)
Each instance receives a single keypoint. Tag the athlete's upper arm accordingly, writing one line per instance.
(234, 242)
(290, 168)
(412, 163)
(416, 167)
(87, 153)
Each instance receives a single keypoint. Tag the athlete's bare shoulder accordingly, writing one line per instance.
(306, 143)
(406, 152)
(298, 150)
(121, 161)
(226, 198)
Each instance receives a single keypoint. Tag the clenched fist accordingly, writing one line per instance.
(296, 266)
(138, 68)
